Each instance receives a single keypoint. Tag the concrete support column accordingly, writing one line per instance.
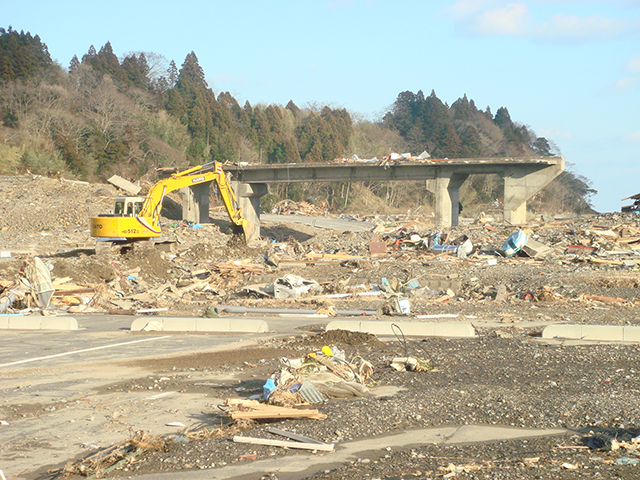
(195, 203)
(520, 184)
(248, 195)
(446, 188)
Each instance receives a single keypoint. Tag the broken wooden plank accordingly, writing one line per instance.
(279, 413)
(60, 292)
(265, 410)
(243, 402)
(327, 447)
(628, 240)
(333, 256)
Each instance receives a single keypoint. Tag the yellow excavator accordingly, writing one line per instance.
(137, 218)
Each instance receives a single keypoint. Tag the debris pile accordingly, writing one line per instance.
(114, 457)
(289, 207)
(340, 270)
(403, 266)
(319, 376)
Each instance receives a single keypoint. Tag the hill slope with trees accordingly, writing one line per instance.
(128, 115)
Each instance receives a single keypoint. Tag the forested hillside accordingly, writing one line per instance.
(105, 115)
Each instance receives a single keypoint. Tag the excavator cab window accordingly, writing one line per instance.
(128, 206)
(133, 207)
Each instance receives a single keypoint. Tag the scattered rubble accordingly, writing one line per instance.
(200, 274)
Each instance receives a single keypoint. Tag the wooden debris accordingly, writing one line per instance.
(109, 458)
(263, 411)
(334, 256)
(280, 412)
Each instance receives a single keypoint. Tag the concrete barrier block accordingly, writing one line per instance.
(451, 329)
(139, 323)
(342, 325)
(605, 333)
(58, 323)
(250, 326)
(631, 334)
(408, 329)
(231, 325)
(179, 324)
(4, 322)
(24, 323)
(212, 325)
(562, 331)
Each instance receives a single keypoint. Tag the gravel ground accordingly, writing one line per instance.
(518, 381)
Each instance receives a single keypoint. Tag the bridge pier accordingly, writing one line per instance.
(195, 203)
(522, 183)
(248, 195)
(446, 188)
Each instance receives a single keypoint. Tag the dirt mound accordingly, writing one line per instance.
(344, 337)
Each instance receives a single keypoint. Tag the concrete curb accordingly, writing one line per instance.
(409, 329)
(23, 322)
(198, 324)
(605, 333)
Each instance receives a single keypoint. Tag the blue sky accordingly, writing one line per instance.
(569, 69)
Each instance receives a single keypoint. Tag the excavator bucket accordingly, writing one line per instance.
(244, 228)
(247, 230)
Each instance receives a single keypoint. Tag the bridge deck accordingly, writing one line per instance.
(377, 171)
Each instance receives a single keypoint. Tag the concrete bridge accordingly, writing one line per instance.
(523, 178)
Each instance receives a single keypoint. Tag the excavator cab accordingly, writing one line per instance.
(128, 206)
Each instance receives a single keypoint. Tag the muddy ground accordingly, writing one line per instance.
(507, 376)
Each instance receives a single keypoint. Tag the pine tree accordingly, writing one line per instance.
(22, 55)
(74, 64)
(502, 118)
(172, 74)
(136, 70)
(191, 75)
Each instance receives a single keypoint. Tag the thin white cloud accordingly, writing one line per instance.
(632, 78)
(633, 137)
(633, 65)
(515, 19)
(594, 27)
(626, 83)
